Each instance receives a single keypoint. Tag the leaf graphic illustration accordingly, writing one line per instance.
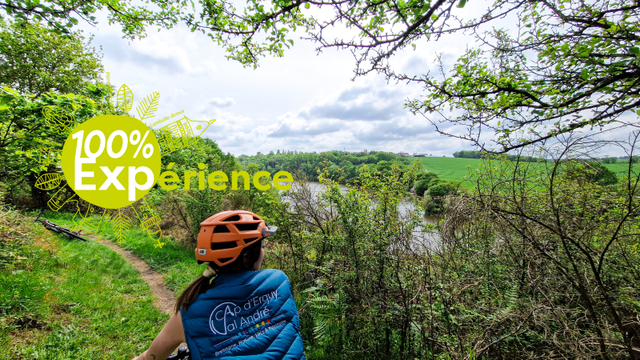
(158, 244)
(48, 181)
(124, 98)
(148, 106)
(57, 119)
(121, 224)
(44, 155)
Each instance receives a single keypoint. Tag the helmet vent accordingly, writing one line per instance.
(256, 218)
(247, 227)
(246, 241)
(223, 246)
(225, 260)
(232, 218)
(221, 229)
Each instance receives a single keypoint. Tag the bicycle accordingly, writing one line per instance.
(183, 354)
(58, 229)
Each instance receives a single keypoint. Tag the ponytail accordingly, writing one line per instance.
(245, 261)
(199, 286)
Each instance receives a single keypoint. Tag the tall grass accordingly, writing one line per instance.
(63, 299)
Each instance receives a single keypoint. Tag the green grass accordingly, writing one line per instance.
(622, 169)
(63, 299)
(449, 168)
(456, 169)
(176, 263)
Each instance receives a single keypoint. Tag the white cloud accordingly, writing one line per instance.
(217, 102)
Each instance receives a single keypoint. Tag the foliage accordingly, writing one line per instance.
(219, 20)
(592, 171)
(440, 189)
(29, 144)
(569, 246)
(565, 66)
(436, 195)
(424, 181)
(353, 261)
(186, 208)
(471, 154)
(422, 186)
(60, 16)
(342, 166)
(35, 60)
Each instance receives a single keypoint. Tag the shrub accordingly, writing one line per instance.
(421, 187)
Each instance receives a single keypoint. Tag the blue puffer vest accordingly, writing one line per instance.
(246, 315)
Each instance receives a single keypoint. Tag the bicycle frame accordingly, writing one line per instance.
(58, 229)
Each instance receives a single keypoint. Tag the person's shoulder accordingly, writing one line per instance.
(272, 275)
(271, 272)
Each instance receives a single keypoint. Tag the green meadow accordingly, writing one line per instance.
(456, 169)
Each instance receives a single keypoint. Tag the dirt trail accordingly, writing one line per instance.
(165, 298)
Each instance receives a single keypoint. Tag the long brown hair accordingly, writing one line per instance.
(245, 261)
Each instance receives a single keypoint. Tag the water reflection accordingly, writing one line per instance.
(424, 237)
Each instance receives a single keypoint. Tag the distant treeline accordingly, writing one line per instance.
(342, 165)
(623, 159)
(472, 154)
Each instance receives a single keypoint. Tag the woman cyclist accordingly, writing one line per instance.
(233, 311)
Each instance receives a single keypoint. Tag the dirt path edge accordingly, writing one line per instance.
(165, 298)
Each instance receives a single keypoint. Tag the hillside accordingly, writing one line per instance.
(450, 168)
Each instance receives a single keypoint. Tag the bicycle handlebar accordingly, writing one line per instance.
(183, 354)
(38, 217)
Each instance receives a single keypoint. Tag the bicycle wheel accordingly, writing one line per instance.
(51, 227)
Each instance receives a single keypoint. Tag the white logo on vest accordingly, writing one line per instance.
(229, 317)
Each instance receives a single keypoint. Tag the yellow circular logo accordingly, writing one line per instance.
(111, 161)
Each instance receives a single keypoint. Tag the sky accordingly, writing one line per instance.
(304, 101)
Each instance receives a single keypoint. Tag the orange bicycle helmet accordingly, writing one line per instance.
(223, 236)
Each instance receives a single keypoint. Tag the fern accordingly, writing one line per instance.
(510, 299)
(148, 106)
(124, 98)
(121, 224)
(326, 316)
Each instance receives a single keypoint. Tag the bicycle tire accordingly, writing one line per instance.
(52, 228)
(78, 237)
(71, 234)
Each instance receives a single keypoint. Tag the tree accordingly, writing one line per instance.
(592, 171)
(187, 208)
(63, 15)
(220, 20)
(35, 60)
(583, 74)
(31, 144)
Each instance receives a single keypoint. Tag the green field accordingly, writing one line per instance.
(450, 168)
